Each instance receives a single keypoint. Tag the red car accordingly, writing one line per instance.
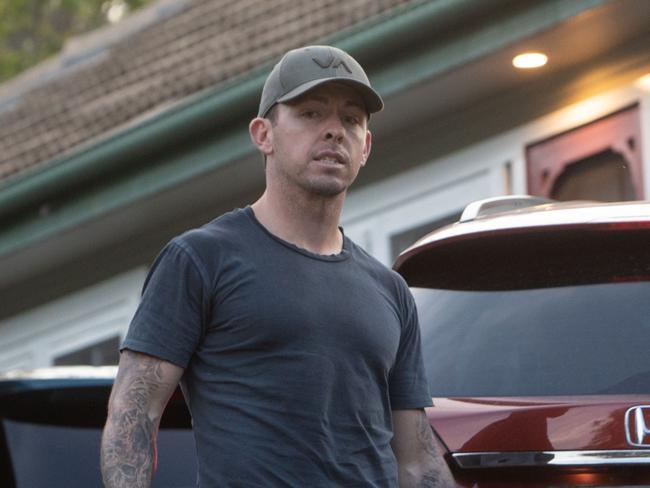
(535, 320)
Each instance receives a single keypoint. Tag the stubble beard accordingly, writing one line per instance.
(320, 187)
(313, 185)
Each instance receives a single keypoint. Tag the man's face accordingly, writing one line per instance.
(319, 140)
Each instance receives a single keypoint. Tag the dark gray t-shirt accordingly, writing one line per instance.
(293, 361)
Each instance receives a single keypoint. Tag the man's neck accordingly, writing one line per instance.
(309, 223)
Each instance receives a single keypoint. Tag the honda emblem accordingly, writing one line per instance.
(637, 420)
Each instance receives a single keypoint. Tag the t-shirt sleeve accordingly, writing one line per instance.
(170, 319)
(408, 383)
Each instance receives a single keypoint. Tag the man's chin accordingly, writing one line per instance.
(327, 189)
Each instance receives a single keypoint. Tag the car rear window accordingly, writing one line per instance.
(64, 457)
(567, 340)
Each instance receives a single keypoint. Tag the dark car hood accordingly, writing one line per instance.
(533, 424)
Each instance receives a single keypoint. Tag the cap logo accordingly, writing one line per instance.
(331, 62)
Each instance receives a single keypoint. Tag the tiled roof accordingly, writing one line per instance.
(171, 50)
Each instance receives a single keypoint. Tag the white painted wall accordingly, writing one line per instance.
(34, 338)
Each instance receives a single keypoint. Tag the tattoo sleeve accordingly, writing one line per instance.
(420, 457)
(128, 452)
(437, 475)
(424, 435)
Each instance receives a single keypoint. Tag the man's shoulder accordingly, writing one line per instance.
(224, 232)
(376, 268)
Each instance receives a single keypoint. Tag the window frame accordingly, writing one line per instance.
(546, 160)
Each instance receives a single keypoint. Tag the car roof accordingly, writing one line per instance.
(542, 213)
(70, 395)
(60, 373)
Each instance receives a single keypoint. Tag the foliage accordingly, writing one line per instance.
(32, 30)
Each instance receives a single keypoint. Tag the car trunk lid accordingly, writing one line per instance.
(541, 424)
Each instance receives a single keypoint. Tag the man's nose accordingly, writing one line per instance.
(334, 129)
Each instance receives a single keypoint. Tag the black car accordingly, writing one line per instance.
(51, 424)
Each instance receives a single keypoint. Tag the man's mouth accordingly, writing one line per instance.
(330, 158)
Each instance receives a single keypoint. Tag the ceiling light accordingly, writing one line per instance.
(529, 60)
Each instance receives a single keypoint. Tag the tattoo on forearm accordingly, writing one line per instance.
(128, 445)
(424, 435)
(438, 475)
(431, 480)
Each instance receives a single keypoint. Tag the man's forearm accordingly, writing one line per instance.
(432, 476)
(420, 458)
(128, 454)
(140, 392)
(434, 471)
(430, 479)
(128, 450)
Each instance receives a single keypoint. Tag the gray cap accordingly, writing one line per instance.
(302, 69)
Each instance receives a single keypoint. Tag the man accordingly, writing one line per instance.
(298, 353)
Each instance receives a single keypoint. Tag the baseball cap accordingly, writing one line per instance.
(305, 68)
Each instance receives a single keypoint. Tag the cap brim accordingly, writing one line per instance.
(371, 98)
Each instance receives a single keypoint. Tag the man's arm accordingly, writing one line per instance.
(141, 390)
(419, 456)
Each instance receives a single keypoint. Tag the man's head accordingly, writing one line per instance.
(303, 69)
(312, 121)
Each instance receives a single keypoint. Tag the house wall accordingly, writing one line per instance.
(35, 339)
(373, 215)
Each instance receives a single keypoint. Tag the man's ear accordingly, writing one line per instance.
(261, 134)
(366, 148)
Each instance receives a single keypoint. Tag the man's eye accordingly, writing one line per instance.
(351, 119)
(310, 114)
